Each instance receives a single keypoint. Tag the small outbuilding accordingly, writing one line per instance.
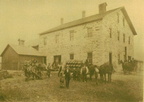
(14, 56)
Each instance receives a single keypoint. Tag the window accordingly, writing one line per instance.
(97, 28)
(89, 32)
(110, 32)
(129, 40)
(89, 57)
(125, 55)
(110, 57)
(123, 22)
(44, 40)
(118, 58)
(57, 38)
(72, 56)
(118, 17)
(123, 37)
(71, 35)
(129, 58)
(118, 35)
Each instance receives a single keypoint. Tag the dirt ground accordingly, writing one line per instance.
(124, 88)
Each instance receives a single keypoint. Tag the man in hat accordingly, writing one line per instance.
(67, 76)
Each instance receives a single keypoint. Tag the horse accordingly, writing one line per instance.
(93, 70)
(106, 68)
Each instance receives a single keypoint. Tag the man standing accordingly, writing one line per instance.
(48, 70)
(84, 72)
(60, 69)
(67, 76)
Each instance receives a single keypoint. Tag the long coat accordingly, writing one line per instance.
(67, 74)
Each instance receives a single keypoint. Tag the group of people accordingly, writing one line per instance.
(78, 71)
(33, 69)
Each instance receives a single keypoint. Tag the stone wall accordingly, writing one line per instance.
(79, 46)
(100, 44)
(113, 45)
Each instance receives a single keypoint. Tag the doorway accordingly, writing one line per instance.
(90, 57)
(125, 55)
(110, 58)
(57, 59)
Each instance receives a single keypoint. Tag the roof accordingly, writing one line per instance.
(23, 50)
(33, 42)
(90, 19)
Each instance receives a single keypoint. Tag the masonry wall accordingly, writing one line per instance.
(114, 21)
(100, 44)
(80, 46)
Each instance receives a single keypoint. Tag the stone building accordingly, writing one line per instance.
(106, 36)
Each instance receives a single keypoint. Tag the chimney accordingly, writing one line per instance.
(21, 42)
(83, 14)
(102, 8)
(62, 20)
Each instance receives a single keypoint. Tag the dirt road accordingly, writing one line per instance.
(124, 88)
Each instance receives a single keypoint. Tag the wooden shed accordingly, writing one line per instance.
(13, 56)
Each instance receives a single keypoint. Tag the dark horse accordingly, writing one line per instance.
(93, 70)
(104, 69)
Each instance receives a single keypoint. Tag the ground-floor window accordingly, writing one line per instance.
(71, 56)
(57, 59)
(45, 60)
(89, 57)
(125, 54)
(129, 58)
(110, 58)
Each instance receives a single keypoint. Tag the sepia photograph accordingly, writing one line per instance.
(71, 50)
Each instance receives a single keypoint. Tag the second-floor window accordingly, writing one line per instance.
(71, 35)
(45, 41)
(118, 17)
(118, 58)
(110, 32)
(57, 38)
(89, 31)
(123, 22)
(118, 35)
(123, 37)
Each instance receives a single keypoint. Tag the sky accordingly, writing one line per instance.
(25, 19)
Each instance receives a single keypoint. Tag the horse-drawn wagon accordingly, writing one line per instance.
(33, 69)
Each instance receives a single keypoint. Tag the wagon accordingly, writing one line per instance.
(74, 65)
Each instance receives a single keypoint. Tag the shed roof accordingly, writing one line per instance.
(23, 50)
(90, 19)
